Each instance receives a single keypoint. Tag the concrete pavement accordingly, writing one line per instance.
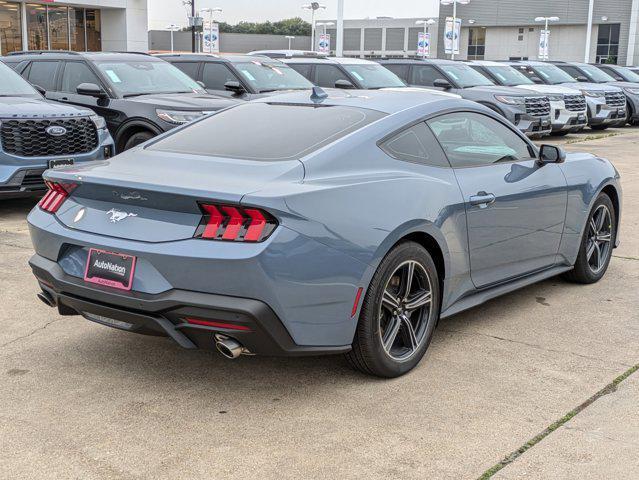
(83, 401)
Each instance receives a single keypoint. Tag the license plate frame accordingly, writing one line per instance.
(60, 163)
(115, 271)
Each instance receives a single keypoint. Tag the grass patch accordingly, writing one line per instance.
(610, 388)
(590, 138)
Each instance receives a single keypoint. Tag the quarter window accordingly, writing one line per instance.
(417, 145)
(475, 140)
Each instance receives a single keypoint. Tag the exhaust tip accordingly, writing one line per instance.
(228, 347)
(46, 298)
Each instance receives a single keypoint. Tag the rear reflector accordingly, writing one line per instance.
(55, 197)
(232, 223)
(358, 296)
(211, 323)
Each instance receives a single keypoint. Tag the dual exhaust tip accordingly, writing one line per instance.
(229, 347)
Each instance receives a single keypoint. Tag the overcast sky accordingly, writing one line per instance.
(165, 12)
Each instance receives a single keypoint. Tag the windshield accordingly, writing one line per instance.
(271, 76)
(13, 85)
(139, 78)
(553, 75)
(374, 76)
(627, 74)
(508, 76)
(596, 75)
(464, 76)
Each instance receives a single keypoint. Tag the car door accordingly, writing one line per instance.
(515, 207)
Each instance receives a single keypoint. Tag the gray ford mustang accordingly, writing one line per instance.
(347, 222)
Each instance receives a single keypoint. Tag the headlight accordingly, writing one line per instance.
(594, 94)
(178, 117)
(511, 100)
(556, 98)
(98, 121)
(632, 91)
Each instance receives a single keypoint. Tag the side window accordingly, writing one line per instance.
(327, 75)
(190, 68)
(475, 140)
(76, 73)
(417, 145)
(612, 73)
(572, 71)
(42, 74)
(304, 69)
(215, 75)
(400, 70)
(424, 75)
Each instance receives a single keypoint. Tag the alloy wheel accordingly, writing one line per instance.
(405, 310)
(599, 243)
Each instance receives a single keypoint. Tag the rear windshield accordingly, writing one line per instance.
(267, 131)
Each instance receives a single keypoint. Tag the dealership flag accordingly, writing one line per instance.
(211, 38)
(452, 33)
(543, 44)
(423, 44)
(324, 45)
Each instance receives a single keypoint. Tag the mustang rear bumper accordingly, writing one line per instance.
(166, 314)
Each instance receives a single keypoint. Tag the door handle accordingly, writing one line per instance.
(482, 199)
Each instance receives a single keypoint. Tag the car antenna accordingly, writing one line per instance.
(318, 94)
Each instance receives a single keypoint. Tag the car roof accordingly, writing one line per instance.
(486, 63)
(91, 56)
(388, 101)
(418, 61)
(333, 60)
(211, 57)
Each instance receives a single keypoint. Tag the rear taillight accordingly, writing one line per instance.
(55, 197)
(232, 223)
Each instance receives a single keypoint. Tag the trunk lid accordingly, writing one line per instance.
(154, 196)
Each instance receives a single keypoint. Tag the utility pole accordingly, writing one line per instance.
(591, 8)
(193, 26)
(339, 41)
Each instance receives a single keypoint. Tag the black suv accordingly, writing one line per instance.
(140, 96)
(242, 77)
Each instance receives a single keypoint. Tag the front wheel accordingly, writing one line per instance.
(599, 127)
(137, 139)
(398, 314)
(597, 243)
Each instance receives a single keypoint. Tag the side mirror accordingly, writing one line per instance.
(443, 84)
(536, 80)
(551, 154)
(581, 78)
(40, 90)
(235, 87)
(344, 84)
(90, 90)
(201, 84)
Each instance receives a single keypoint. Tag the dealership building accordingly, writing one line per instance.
(89, 25)
(506, 29)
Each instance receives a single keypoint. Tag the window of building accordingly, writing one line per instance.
(476, 43)
(37, 31)
(608, 43)
(10, 27)
(61, 28)
(93, 30)
(76, 29)
(58, 28)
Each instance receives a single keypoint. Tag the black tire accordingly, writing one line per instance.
(599, 127)
(561, 133)
(137, 138)
(584, 272)
(369, 354)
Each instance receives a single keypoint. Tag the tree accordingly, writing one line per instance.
(291, 26)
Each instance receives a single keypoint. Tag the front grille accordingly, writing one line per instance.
(575, 103)
(615, 99)
(538, 106)
(29, 138)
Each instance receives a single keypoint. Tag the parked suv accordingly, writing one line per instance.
(583, 72)
(606, 104)
(528, 111)
(140, 96)
(243, 77)
(36, 134)
(568, 110)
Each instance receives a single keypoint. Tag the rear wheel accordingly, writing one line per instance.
(597, 243)
(399, 313)
(599, 127)
(137, 138)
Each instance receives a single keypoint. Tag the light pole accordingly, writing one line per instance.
(313, 7)
(172, 28)
(454, 4)
(210, 11)
(546, 32)
(426, 23)
(591, 9)
(324, 24)
(339, 41)
(290, 38)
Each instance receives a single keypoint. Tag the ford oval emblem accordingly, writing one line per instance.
(56, 131)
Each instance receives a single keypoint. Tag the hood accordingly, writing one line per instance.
(625, 85)
(24, 107)
(596, 87)
(185, 101)
(499, 90)
(420, 90)
(548, 89)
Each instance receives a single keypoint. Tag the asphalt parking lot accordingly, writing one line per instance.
(549, 369)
